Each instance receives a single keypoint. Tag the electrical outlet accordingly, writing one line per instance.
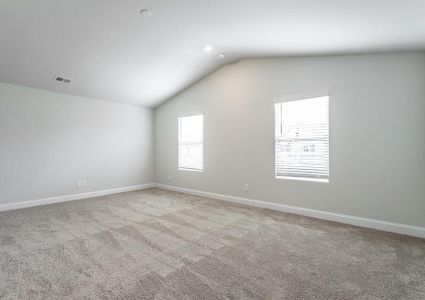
(81, 183)
(246, 187)
(169, 178)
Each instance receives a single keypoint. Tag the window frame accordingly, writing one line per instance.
(298, 98)
(178, 144)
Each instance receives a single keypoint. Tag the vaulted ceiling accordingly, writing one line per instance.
(112, 51)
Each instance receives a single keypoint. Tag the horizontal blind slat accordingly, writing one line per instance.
(302, 138)
(190, 143)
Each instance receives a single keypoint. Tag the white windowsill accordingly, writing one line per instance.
(303, 179)
(191, 170)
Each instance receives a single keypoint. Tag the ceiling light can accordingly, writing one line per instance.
(208, 48)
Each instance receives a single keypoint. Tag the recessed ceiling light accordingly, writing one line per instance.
(221, 55)
(146, 12)
(208, 48)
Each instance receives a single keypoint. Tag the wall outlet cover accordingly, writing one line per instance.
(81, 183)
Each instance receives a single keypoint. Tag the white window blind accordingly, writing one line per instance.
(302, 139)
(191, 143)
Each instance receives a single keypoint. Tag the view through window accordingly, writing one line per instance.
(302, 139)
(191, 143)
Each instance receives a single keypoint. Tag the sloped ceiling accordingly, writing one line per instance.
(113, 52)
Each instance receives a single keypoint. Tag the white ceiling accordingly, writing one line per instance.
(112, 52)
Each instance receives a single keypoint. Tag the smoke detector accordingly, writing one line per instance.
(222, 55)
(146, 12)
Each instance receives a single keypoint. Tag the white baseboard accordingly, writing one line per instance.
(65, 198)
(346, 219)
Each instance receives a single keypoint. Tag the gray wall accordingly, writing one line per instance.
(377, 133)
(49, 140)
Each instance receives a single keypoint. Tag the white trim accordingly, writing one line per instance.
(65, 198)
(324, 215)
(326, 180)
(191, 170)
(295, 97)
(346, 219)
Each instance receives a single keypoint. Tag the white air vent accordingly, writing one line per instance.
(62, 80)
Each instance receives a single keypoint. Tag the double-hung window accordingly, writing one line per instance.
(191, 143)
(302, 139)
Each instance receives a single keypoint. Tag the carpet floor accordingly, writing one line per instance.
(155, 244)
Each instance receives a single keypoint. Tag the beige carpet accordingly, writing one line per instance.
(155, 244)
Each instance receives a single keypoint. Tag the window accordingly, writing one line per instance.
(302, 139)
(191, 143)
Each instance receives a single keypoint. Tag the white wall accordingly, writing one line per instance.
(49, 140)
(377, 134)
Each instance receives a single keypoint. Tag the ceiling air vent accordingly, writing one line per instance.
(62, 80)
